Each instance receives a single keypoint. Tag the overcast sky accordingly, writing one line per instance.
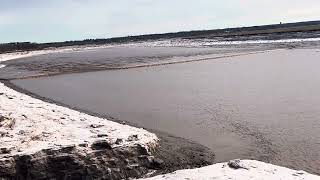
(60, 20)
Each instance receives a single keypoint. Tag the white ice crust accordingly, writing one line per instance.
(252, 170)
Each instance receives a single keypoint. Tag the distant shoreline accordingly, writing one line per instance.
(307, 26)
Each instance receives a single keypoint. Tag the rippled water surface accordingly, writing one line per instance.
(261, 106)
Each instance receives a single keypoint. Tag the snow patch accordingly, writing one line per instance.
(248, 169)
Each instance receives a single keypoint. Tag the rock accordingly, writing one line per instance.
(7, 122)
(102, 135)
(151, 162)
(21, 132)
(83, 145)
(7, 167)
(74, 162)
(5, 150)
(158, 162)
(35, 137)
(112, 161)
(67, 149)
(100, 144)
(142, 150)
(3, 133)
(236, 164)
(96, 125)
(119, 141)
(133, 138)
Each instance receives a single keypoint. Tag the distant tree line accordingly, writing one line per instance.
(300, 26)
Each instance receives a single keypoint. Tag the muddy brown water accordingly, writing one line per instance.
(260, 106)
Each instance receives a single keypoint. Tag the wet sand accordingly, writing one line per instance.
(261, 106)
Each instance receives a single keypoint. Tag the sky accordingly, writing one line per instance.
(61, 20)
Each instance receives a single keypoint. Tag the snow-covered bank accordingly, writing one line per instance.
(28, 125)
(239, 170)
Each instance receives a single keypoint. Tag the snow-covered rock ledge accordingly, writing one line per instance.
(239, 170)
(28, 125)
(35, 131)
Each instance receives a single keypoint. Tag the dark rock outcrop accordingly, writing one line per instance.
(71, 162)
(100, 161)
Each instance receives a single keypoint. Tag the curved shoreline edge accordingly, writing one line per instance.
(53, 133)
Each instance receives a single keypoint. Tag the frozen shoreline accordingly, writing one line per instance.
(29, 125)
(239, 170)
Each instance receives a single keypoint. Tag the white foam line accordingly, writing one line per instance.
(209, 42)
